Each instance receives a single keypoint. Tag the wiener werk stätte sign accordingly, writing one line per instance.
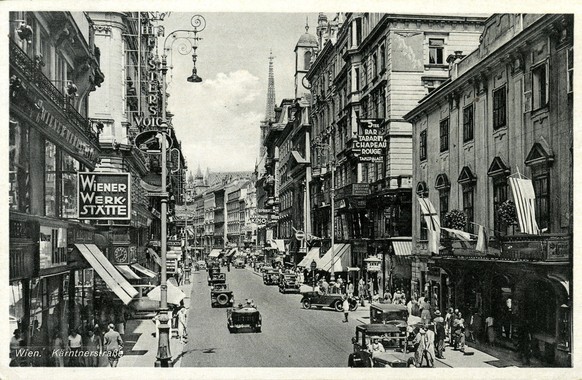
(104, 196)
(370, 143)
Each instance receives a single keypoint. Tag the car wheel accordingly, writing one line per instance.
(258, 329)
(337, 305)
(353, 306)
(366, 361)
(222, 299)
(351, 361)
(306, 304)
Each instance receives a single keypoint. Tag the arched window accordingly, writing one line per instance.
(307, 60)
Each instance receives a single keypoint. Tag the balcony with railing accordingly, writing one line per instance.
(529, 248)
(28, 70)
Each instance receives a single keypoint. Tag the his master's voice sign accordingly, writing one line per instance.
(104, 196)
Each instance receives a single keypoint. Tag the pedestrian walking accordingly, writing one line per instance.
(490, 329)
(388, 297)
(74, 348)
(525, 340)
(361, 290)
(346, 308)
(439, 325)
(425, 343)
(93, 349)
(425, 312)
(182, 323)
(350, 289)
(113, 345)
(58, 346)
(448, 324)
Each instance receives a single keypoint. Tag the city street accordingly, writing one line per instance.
(291, 336)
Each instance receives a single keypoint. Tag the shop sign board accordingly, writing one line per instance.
(370, 143)
(151, 141)
(104, 196)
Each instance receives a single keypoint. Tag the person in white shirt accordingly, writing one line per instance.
(346, 307)
(375, 347)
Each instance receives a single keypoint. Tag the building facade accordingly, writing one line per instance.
(54, 67)
(506, 113)
(367, 75)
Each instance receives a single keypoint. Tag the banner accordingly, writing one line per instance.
(433, 224)
(524, 198)
(104, 196)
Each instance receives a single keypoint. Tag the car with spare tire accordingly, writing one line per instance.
(333, 298)
(221, 295)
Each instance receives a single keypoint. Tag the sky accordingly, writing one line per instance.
(218, 119)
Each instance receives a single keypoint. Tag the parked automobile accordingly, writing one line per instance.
(266, 268)
(271, 277)
(391, 339)
(388, 313)
(142, 305)
(333, 299)
(215, 277)
(288, 282)
(244, 317)
(239, 262)
(221, 295)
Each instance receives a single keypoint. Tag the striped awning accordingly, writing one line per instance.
(155, 256)
(402, 248)
(278, 244)
(214, 253)
(126, 271)
(341, 258)
(114, 280)
(143, 270)
(313, 254)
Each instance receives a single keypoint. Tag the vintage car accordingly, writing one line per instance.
(266, 268)
(215, 277)
(333, 299)
(239, 262)
(271, 277)
(247, 317)
(221, 295)
(388, 313)
(288, 282)
(390, 337)
(200, 265)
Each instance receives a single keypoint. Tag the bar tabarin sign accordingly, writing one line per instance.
(370, 143)
(104, 196)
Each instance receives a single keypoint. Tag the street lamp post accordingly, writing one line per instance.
(320, 144)
(164, 354)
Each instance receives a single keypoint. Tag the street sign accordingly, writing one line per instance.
(163, 194)
(313, 265)
(299, 235)
(151, 141)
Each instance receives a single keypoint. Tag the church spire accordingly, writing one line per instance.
(270, 109)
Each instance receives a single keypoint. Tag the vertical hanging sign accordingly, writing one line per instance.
(370, 144)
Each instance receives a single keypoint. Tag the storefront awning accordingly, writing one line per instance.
(155, 256)
(127, 272)
(313, 254)
(143, 270)
(214, 253)
(402, 248)
(278, 244)
(107, 272)
(341, 259)
(231, 252)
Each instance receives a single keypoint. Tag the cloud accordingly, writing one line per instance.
(218, 120)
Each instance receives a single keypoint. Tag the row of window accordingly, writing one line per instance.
(541, 184)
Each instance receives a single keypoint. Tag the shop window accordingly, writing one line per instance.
(540, 86)
(444, 135)
(499, 108)
(422, 145)
(468, 123)
(50, 179)
(19, 167)
(69, 170)
(436, 48)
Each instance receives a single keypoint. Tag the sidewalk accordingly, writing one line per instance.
(141, 345)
